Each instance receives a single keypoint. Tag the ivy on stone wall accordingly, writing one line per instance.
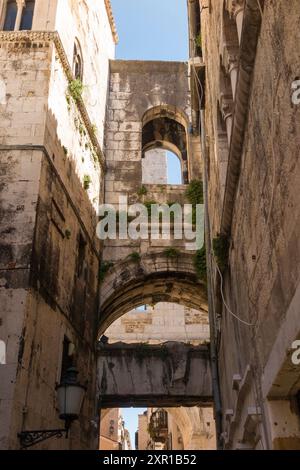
(75, 89)
(135, 257)
(172, 253)
(200, 264)
(87, 180)
(194, 195)
(104, 268)
(221, 251)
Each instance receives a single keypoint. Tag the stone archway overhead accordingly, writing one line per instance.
(166, 110)
(156, 279)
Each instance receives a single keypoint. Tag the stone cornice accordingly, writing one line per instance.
(25, 37)
(251, 30)
(111, 20)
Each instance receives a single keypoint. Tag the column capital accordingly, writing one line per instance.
(230, 57)
(226, 106)
(235, 7)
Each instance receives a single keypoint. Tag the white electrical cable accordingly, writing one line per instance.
(225, 303)
(200, 97)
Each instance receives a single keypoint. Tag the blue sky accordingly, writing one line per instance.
(151, 30)
(130, 416)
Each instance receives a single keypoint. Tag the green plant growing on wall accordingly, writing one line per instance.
(221, 251)
(194, 195)
(200, 264)
(172, 253)
(81, 129)
(95, 157)
(75, 89)
(198, 41)
(142, 191)
(194, 192)
(104, 268)
(94, 128)
(135, 257)
(68, 234)
(87, 182)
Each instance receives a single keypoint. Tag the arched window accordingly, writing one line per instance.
(10, 16)
(77, 61)
(27, 15)
(164, 146)
(174, 168)
(18, 15)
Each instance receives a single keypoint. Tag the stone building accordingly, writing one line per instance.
(76, 130)
(51, 167)
(244, 66)
(113, 434)
(163, 429)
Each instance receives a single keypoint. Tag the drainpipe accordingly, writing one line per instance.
(211, 306)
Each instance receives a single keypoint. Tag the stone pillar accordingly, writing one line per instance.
(238, 14)
(233, 72)
(21, 4)
(1, 13)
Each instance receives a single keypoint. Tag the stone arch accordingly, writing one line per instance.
(166, 110)
(156, 278)
(165, 127)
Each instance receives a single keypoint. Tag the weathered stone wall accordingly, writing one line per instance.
(132, 94)
(49, 256)
(161, 323)
(109, 430)
(89, 23)
(154, 167)
(140, 92)
(262, 280)
(148, 375)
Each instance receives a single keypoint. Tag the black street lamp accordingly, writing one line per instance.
(70, 396)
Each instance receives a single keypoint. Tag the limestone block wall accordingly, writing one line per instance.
(154, 167)
(49, 257)
(89, 23)
(135, 88)
(161, 323)
(40, 227)
(262, 281)
(22, 120)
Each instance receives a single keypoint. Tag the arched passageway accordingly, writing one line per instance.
(155, 278)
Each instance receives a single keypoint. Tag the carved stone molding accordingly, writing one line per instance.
(230, 57)
(235, 6)
(111, 20)
(226, 105)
